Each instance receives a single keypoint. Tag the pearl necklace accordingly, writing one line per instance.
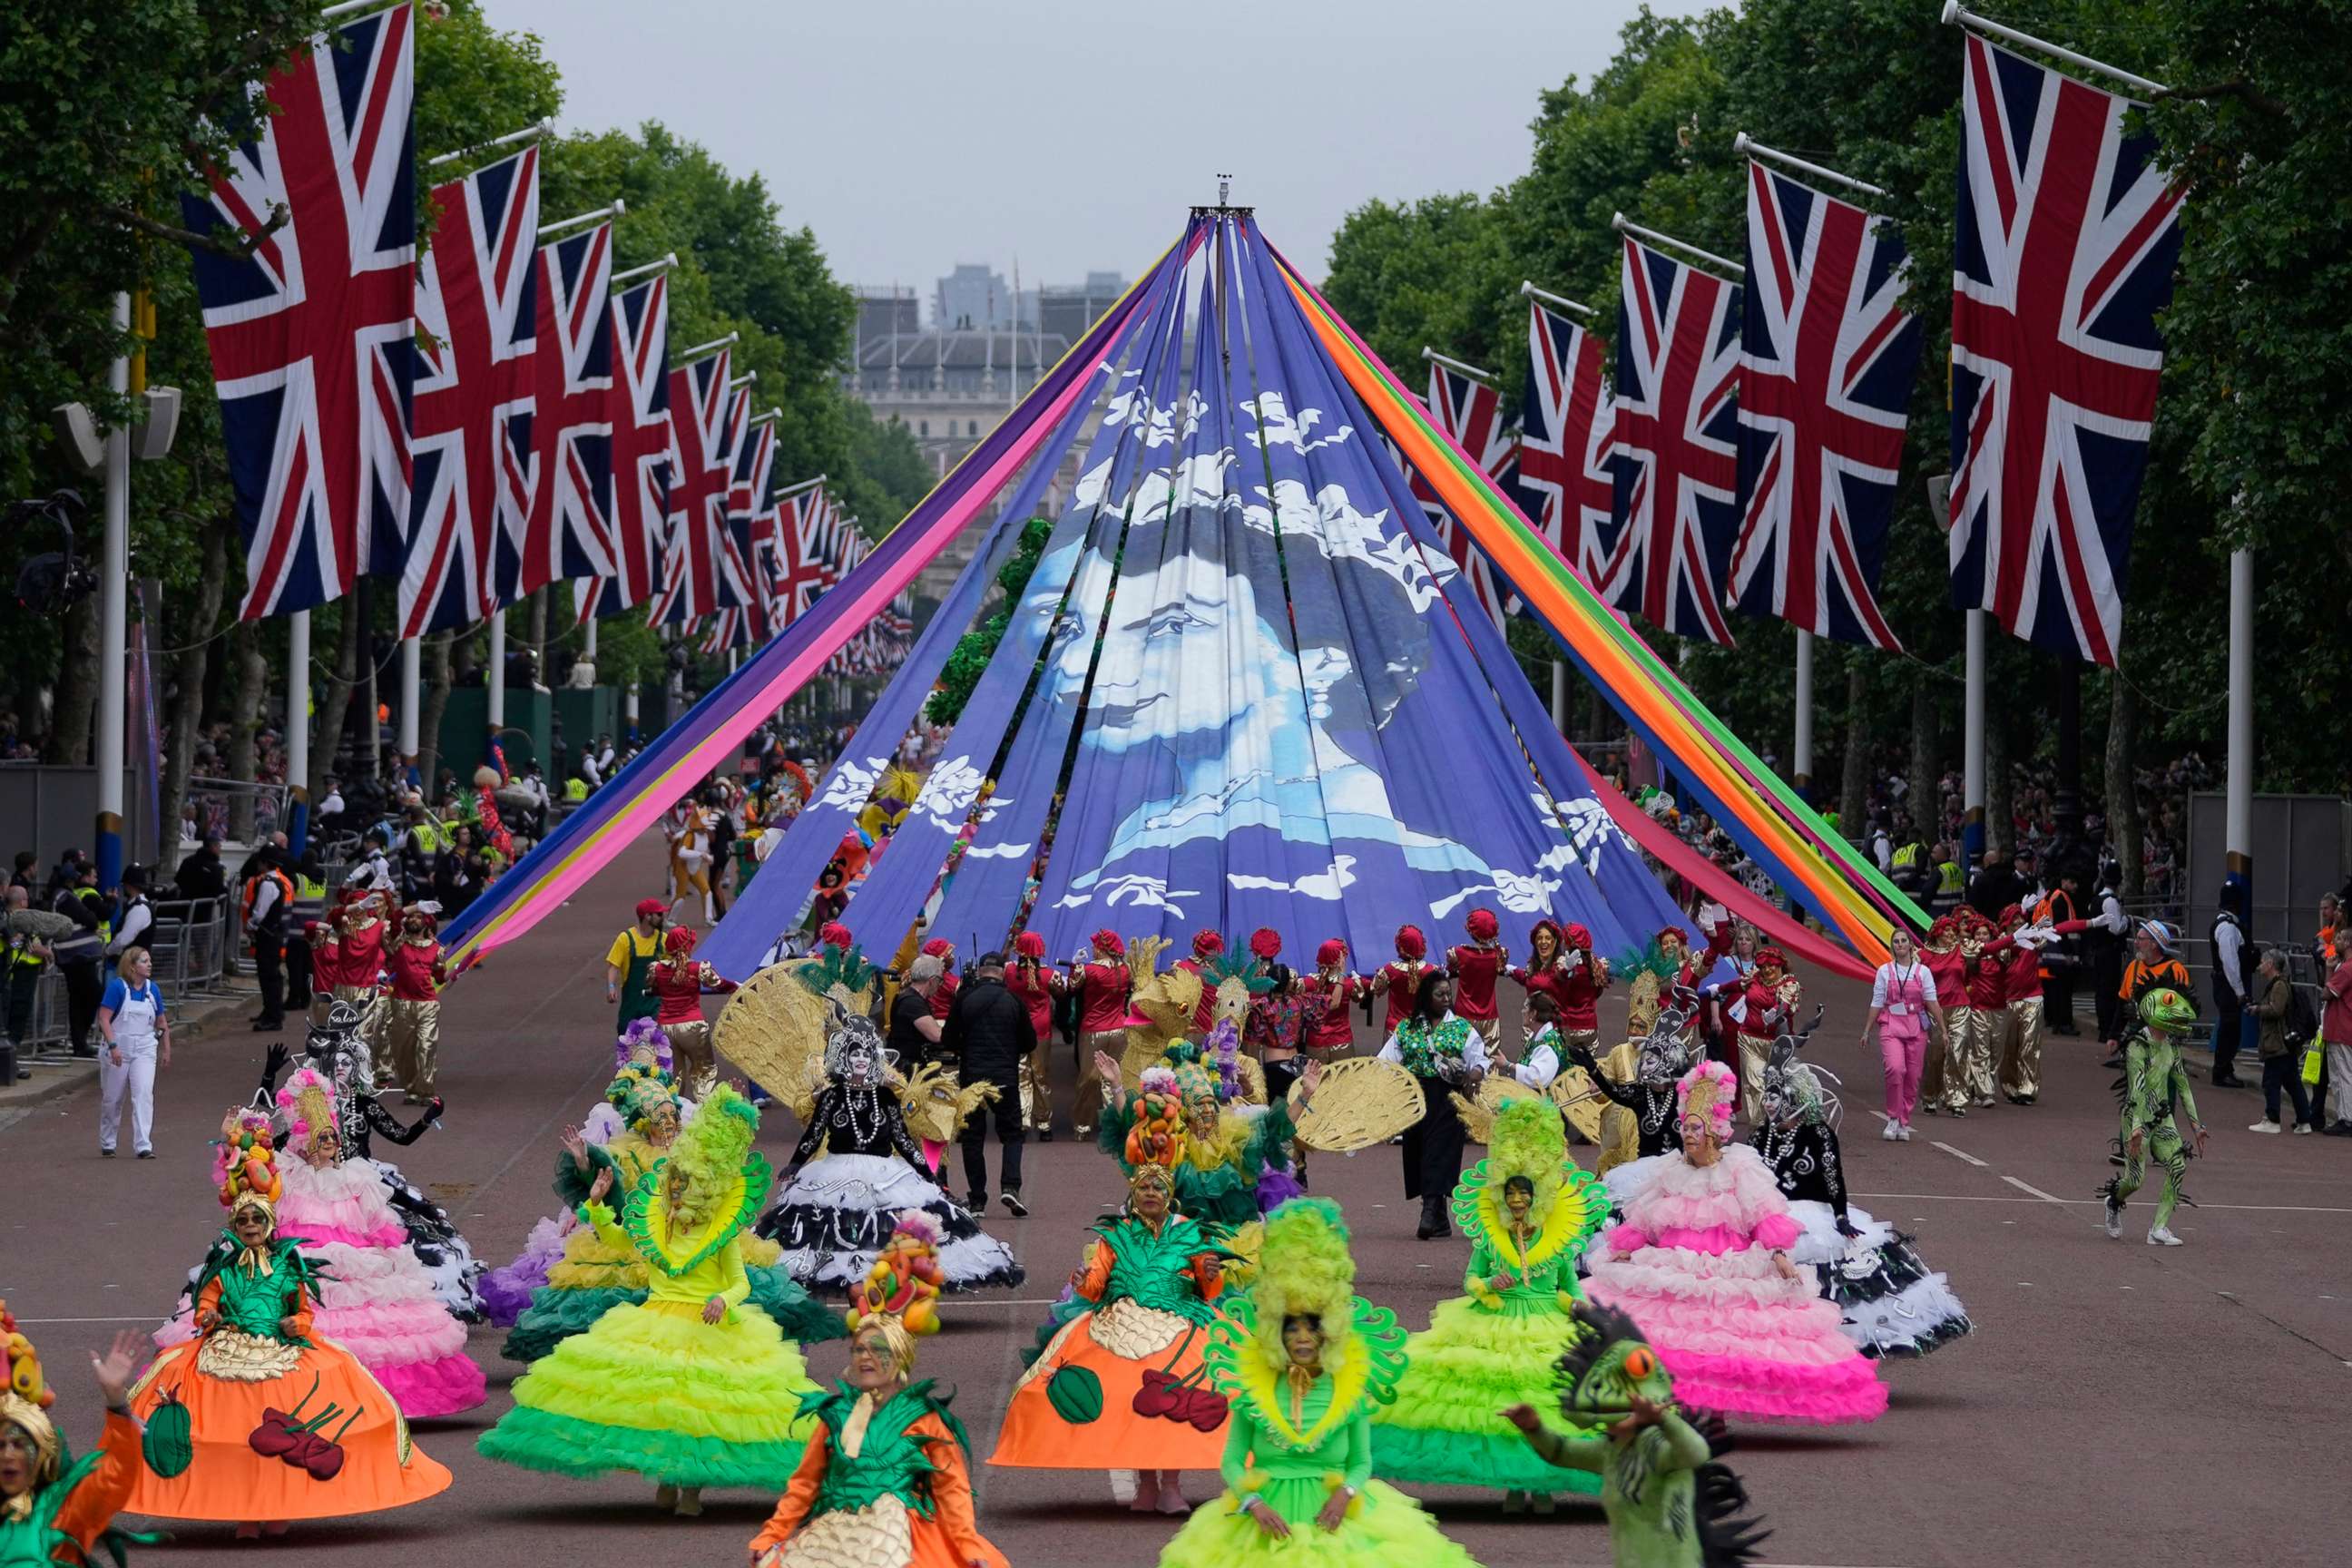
(860, 1110)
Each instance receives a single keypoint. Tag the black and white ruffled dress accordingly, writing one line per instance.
(835, 1211)
(1892, 1304)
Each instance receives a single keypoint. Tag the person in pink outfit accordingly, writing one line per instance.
(1700, 1261)
(1904, 1004)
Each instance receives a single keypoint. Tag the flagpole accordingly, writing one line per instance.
(1972, 746)
(298, 729)
(1450, 363)
(1560, 695)
(528, 134)
(497, 684)
(1956, 17)
(412, 684)
(1529, 292)
(114, 617)
(1801, 764)
(647, 271)
(1747, 146)
(2238, 816)
(1618, 222)
(548, 230)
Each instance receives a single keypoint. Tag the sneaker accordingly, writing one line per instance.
(1907, 1132)
(1892, 1132)
(1013, 1206)
(146, 1154)
(2263, 1127)
(2302, 1128)
(2162, 1236)
(1044, 1136)
(106, 1153)
(976, 1202)
(1984, 1102)
(2115, 1219)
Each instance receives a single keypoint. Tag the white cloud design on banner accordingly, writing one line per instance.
(1143, 893)
(1327, 884)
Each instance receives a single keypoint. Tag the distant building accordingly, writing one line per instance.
(1068, 311)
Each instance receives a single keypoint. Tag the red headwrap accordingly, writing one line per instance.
(681, 941)
(1265, 943)
(1029, 944)
(939, 947)
(1772, 958)
(833, 934)
(1207, 944)
(1107, 942)
(1677, 932)
(1482, 925)
(2012, 915)
(1332, 952)
(1579, 938)
(1411, 944)
(651, 907)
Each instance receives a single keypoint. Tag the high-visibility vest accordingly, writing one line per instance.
(284, 896)
(1907, 858)
(304, 887)
(1948, 876)
(576, 789)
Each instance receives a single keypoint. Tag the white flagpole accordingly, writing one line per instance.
(1450, 363)
(1560, 695)
(2238, 816)
(1955, 17)
(528, 134)
(297, 728)
(1747, 146)
(1972, 746)
(618, 209)
(1617, 221)
(1801, 764)
(1529, 292)
(497, 672)
(412, 683)
(647, 271)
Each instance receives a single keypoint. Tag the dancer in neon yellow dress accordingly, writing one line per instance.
(1529, 1211)
(697, 1387)
(1303, 1359)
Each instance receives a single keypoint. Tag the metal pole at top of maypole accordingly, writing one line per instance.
(1801, 764)
(298, 729)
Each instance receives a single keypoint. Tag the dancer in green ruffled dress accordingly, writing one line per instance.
(1303, 1359)
(696, 1387)
(1529, 1211)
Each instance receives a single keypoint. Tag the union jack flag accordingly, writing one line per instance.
(2065, 245)
(1826, 366)
(311, 335)
(1472, 413)
(568, 530)
(474, 385)
(702, 467)
(741, 585)
(1564, 442)
(640, 451)
(1676, 499)
(800, 569)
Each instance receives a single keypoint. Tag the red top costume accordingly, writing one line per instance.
(679, 979)
(1033, 983)
(1104, 986)
(1338, 990)
(417, 972)
(1402, 978)
(1206, 945)
(1476, 968)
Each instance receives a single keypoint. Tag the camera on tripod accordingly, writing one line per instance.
(56, 580)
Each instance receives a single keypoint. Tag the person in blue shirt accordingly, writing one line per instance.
(138, 1036)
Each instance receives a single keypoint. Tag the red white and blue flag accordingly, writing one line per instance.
(640, 451)
(311, 335)
(1564, 439)
(475, 361)
(1827, 357)
(703, 469)
(1676, 508)
(800, 572)
(568, 530)
(1472, 413)
(2063, 251)
(740, 586)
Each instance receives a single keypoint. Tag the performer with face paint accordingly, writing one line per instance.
(56, 1508)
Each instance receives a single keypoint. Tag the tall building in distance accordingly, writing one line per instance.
(952, 379)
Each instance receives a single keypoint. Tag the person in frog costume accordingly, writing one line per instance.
(56, 1508)
(696, 1387)
(1302, 1360)
(258, 1419)
(1117, 1381)
(2154, 1091)
(883, 1481)
(1529, 1212)
(1669, 1501)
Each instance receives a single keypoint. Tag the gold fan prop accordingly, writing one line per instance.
(774, 1028)
(1360, 1102)
(1479, 1111)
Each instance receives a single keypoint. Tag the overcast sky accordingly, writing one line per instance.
(914, 134)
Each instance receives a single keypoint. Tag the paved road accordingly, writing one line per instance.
(2116, 1402)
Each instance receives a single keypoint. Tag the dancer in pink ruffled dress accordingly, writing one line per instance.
(1698, 1260)
(375, 1299)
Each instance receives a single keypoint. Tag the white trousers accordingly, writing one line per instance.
(134, 1080)
(2340, 1084)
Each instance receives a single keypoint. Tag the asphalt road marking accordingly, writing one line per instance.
(1961, 1155)
(2043, 1197)
(2037, 1192)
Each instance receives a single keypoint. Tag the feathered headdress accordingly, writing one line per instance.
(307, 1102)
(715, 1145)
(1304, 1269)
(1527, 1140)
(1710, 1090)
(24, 1400)
(638, 1092)
(644, 1044)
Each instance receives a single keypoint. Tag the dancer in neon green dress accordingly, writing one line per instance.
(1529, 1210)
(696, 1387)
(1303, 1359)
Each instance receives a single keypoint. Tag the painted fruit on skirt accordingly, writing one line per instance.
(1075, 1395)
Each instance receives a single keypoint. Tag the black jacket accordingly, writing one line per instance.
(988, 1029)
(202, 875)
